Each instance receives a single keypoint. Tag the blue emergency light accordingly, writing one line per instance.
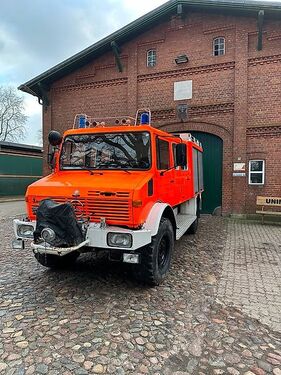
(144, 119)
(82, 122)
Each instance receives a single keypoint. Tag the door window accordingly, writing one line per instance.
(163, 157)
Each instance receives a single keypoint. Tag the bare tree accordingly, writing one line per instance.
(12, 117)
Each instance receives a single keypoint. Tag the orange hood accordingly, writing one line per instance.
(67, 182)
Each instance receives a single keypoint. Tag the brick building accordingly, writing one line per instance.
(210, 67)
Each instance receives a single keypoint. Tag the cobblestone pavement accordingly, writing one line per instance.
(251, 275)
(95, 319)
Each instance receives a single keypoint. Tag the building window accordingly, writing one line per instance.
(151, 58)
(219, 46)
(256, 172)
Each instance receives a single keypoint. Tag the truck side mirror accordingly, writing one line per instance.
(54, 138)
(181, 155)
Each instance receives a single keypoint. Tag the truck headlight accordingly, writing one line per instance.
(25, 230)
(119, 239)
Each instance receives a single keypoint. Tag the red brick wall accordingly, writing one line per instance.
(236, 96)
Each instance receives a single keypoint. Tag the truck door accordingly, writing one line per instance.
(165, 175)
(186, 186)
(178, 177)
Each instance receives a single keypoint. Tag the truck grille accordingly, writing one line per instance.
(115, 208)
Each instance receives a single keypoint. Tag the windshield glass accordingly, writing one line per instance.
(106, 151)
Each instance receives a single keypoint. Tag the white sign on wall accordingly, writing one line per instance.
(239, 166)
(183, 90)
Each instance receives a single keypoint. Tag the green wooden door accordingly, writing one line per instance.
(212, 165)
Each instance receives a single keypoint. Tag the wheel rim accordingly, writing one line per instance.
(163, 253)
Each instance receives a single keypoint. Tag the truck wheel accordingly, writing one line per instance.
(156, 257)
(55, 261)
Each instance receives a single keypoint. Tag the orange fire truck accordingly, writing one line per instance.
(121, 186)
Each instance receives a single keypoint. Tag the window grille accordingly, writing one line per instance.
(151, 58)
(219, 46)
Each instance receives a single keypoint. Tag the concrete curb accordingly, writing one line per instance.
(11, 199)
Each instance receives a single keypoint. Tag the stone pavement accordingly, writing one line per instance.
(251, 274)
(94, 318)
(8, 209)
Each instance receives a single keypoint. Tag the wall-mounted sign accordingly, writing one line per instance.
(183, 90)
(239, 166)
(239, 174)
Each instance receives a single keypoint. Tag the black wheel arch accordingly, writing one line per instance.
(168, 213)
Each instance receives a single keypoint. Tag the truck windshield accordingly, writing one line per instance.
(106, 151)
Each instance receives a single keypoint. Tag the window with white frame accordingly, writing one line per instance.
(151, 58)
(219, 46)
(256, 172)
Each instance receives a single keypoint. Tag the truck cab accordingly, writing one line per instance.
(128, 189)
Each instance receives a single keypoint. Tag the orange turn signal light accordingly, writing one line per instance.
(137, 203)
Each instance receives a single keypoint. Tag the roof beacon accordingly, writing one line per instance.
(144, 120)
(82, 121)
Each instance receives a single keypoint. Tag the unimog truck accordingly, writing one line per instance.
(120, 186)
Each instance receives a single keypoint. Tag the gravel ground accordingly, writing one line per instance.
(96, 319)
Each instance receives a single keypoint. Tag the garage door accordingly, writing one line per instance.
(212, 164)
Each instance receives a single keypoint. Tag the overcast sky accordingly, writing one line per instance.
(37, 34)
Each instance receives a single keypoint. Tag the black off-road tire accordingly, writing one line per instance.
(156, 257)
(55, 261)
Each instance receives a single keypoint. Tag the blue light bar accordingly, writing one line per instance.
(82, 122)
(144, 119)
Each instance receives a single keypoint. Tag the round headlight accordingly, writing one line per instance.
(48, 234)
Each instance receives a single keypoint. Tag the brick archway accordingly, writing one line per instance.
(226, 136)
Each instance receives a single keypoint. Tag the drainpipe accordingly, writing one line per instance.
(116, 50)
(260, 27)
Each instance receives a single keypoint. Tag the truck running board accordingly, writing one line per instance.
(183, 223)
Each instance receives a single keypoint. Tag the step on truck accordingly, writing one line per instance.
(119, 186)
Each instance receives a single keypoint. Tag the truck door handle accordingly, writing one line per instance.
(172, 181)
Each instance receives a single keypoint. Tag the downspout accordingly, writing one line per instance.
(260, 27)
(116, 50)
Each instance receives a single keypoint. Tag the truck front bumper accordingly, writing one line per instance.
(97, 236)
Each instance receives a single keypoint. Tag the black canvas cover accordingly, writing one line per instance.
(61, 218)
